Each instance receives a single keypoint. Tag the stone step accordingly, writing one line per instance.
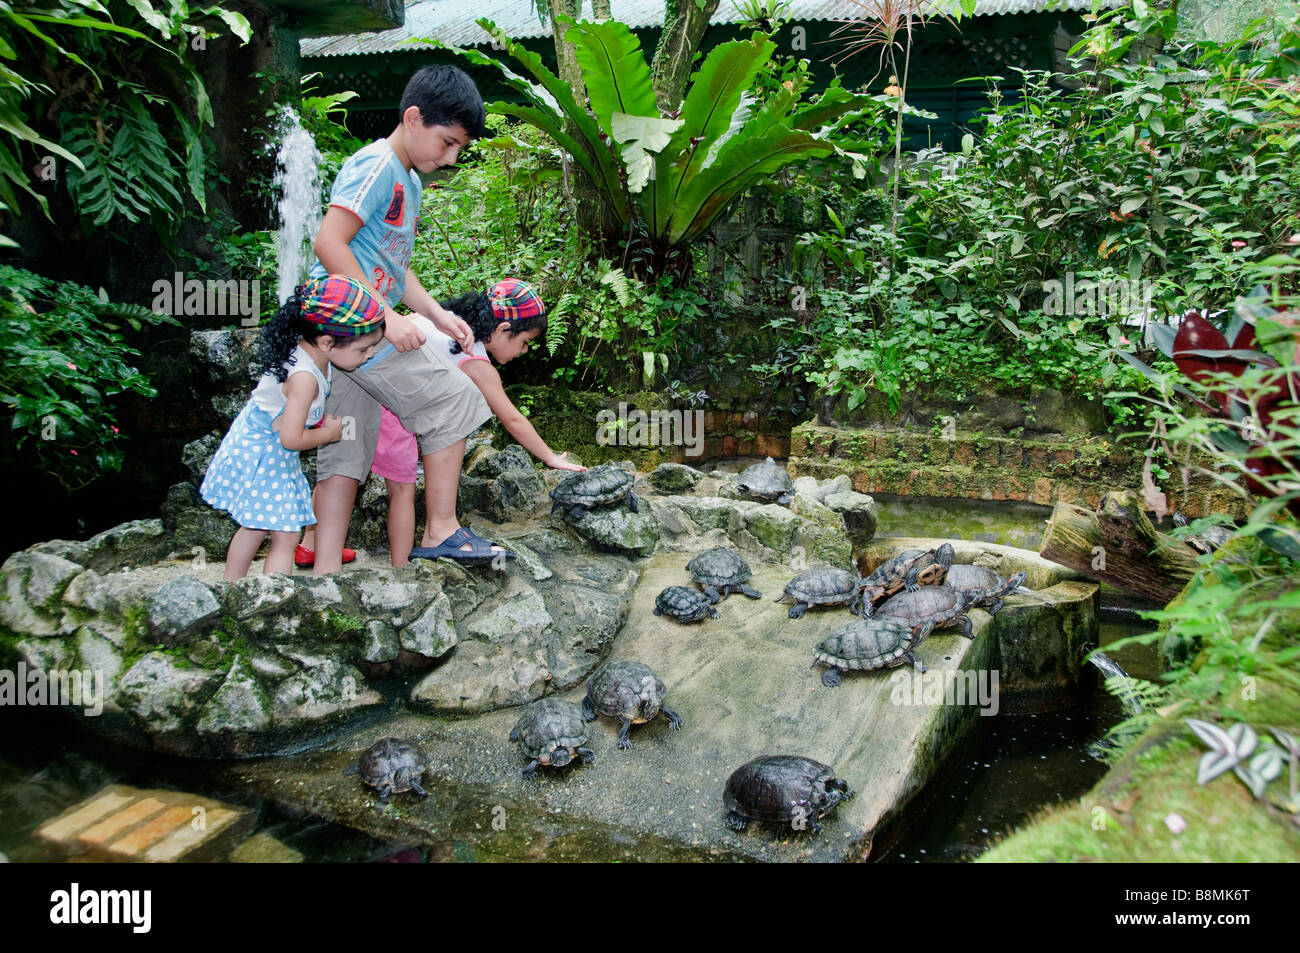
(127, 824)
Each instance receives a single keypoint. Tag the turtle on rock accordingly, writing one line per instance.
(630, 692)
(603, 486)
(942, 605)
(867, 645)
(986, 585)
(767, 481)
(684, 605)
(721, 572)
(783, 789)
(823, 587)
(392, 766)
(909, 570)
(552, 732)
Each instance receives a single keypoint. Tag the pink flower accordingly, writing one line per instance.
(115, 430)
(73, 452)
(71, 366)
(1175, 823)
(1238, 244)
(1122, 339)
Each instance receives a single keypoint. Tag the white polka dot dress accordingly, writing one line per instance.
(253, 477)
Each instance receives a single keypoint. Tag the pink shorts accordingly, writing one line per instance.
(396, 454)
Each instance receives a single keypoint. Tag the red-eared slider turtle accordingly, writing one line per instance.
(783, 789)
(984, 584)
(909, 570)
(942, 605)
(602, 486)
(684, 605)
(552, 732)
(869, 644)
(630, 692)
(721, 572)
(767, 481)
(823, 587)
(392, 766)
(1210, 538)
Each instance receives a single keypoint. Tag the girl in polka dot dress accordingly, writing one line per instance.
(256, 474)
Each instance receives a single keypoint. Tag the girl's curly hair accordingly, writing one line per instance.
(476, 308)
(281, 334)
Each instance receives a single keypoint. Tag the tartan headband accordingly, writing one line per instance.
(512, 300)
(341, 305)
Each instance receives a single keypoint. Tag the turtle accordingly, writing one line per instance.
(943, 605)
(392, 766)
(605, 485)
(685, 605)
(721, 572)
(987, 586)
(821, 587)
(767, 481)
(630, 692)
(783, 789)
(869, 644)
(910, 570)
(1209, 539)
(552, 732)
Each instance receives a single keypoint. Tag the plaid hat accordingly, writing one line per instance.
(513, 299)
(341, 305)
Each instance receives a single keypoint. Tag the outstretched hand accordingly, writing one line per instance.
(558, 462)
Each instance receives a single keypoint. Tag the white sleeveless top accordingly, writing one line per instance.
(440, 343)
(269, 394)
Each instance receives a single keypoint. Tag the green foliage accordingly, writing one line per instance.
(66, 360)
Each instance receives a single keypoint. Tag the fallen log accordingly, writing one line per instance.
(1117, 544)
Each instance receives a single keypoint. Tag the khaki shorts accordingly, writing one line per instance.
(432, 398)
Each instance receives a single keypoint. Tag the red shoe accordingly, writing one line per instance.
(304, 558)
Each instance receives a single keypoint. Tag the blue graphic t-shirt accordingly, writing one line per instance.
(374, 186)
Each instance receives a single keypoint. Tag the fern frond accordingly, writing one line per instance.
(557, 321)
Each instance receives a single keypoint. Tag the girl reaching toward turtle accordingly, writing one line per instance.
(506, 320)
(256, 475)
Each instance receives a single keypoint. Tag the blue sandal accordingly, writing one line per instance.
(480, 553)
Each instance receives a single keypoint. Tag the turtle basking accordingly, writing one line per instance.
(942, 605)
(552, 732)
(721, 572)
(684, 605)
(767, 481)
(602, 486)
(630, 692)
(783, 789)
(986, 585)
(909, 570)
(823, 587)
(392, 766)
(869, 644)
(1209, 539)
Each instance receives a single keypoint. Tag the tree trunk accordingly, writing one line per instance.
(566, 63)
(600, 10)
(684, 25)
(1118, 545)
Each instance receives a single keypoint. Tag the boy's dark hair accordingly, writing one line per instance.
(476, 308)
(445, 96)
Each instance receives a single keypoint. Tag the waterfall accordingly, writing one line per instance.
(297, 177)
(1109, 668)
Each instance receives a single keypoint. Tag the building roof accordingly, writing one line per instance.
(452, 21)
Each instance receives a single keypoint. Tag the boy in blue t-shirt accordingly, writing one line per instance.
(369, 233)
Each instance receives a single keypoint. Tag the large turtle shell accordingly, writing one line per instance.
(909, 569)
(721, 571)
(604, 485)
(628, 690)
(941, 605)
(866, 644)
(825, 586)
(984, 585)
(782, 788)
(688, 605)
(392, 763)
(547, 725)
(767, 481)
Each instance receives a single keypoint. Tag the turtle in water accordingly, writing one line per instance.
(783, 789)
(869, 644)
(910, 570)
(986, 585)
(823, 587)
(552, 732)
(721, 572)
(767, 481)
(630, 692)
(1209, 539)
(684, 605)
(602, 486)
(392, 766)
(942, 605)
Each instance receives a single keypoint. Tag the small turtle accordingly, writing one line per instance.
(685, 605)
(630, 692)
(869, 644)
(605, 485)
(392, 766)
(823, 587)
(942, 605)
(783, 789)
(767, 481)
(986, 585)
(910, 570)
(721, 572)
(552, 732)
(1209, 539)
